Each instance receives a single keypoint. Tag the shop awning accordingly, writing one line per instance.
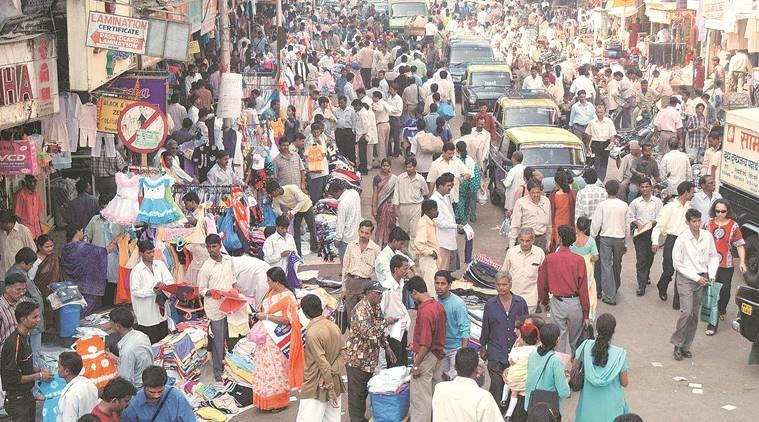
(621, 8)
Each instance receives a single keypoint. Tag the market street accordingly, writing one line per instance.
(644, 325)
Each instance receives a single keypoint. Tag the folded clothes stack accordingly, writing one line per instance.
(182, 353)
(481, 272)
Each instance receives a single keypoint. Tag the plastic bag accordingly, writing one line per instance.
(227, 226)
(482, 196)
(446, 111)
(505, 226)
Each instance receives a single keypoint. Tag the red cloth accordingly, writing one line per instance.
(700, 75)
(231, 300)
(113, 417)
(28, 209)
(489, 123)
(123, 295)
(726, 238)
(563, 274)
(429, 330)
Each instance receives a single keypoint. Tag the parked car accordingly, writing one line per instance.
(484, 84)
(464, 51)
(409, 16)
(545, 148)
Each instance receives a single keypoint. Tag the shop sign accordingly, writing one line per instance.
(109, 110)
(149, 90)
(118, 33)
(658, 16)
(28, 79)
(195, 14)
(209, 16)
(713, 11)
(143, 127)
(193, 48)
(18, 157)
(740, 159)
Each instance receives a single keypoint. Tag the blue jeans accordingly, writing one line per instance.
(341, 251)
(611, 265)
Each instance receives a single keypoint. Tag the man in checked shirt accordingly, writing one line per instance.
(586, 202)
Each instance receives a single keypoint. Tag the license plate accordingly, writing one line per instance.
(746, 309)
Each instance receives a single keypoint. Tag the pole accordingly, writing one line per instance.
(279, 32)
(225, 38)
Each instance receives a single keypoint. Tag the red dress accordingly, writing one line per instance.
(726, 238)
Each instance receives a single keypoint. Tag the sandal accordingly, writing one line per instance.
(710, 332)
(722, 317)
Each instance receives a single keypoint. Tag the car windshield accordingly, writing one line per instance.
(470, 54)
(552, 155)
(491, 79)
(529, 116)
(409, 9)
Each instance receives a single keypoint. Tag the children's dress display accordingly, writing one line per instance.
(156, 206)
(124, 206)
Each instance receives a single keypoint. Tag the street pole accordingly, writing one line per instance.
(225, 38)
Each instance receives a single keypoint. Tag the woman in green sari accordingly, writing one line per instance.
(602, 398)
(468, 189)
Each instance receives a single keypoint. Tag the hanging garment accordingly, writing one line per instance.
(52, 391)
(71, 106)
(96, 365)
(292, 270)
(126, 248)
(88, 125)
(123, 207)
(155, 207)
(110, 146)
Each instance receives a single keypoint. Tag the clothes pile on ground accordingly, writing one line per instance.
(183, 353)
(481, 271)
(326, 225)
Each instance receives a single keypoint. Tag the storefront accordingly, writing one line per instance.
(673, 29)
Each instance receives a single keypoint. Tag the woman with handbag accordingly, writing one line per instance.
(604, 369)
(546, 382)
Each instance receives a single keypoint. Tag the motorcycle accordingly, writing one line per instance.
(642, 132)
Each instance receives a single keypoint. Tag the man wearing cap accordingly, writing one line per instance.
(365, 340)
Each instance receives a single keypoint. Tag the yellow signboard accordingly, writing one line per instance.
(193, 48)
(109, 110)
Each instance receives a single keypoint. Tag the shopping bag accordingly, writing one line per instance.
(709, 311)
(227, 226)
(446, 111)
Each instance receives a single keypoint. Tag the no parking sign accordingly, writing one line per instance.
(142, 127)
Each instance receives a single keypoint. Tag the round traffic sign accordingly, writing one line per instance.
(142, 127)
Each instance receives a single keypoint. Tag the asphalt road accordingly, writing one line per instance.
(644, 326)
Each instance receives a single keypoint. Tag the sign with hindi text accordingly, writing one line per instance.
(740, 159)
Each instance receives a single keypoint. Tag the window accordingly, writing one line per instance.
(409, 9)
(529, 116)
(552, 155)
(490, 79)
(470, 54)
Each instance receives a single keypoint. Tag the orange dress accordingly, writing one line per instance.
(560, 210)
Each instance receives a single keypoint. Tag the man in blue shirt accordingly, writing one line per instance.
(497, 338)
(158, 402)
(456, 325)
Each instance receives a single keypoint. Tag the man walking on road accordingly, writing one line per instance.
(563, 275)
(428, 345)
(522, 265)
(348, 215)
(642, 211)
(497, 336)
(696, 261)
(670, 223)
(611, 224)
(410, 191)
(358, 265)
(456, 327)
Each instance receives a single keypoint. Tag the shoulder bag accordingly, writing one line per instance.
(551, 398)
(577, 373)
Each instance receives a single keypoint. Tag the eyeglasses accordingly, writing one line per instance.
(720, 211)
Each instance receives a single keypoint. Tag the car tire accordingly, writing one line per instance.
(751, 276)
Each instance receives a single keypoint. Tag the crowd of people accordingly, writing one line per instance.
(378, 98)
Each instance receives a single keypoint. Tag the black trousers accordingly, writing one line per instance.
(597, 270)
(298, 218)
(644, 257)
(724, 276)
(399, 350)
(395, 136)
(110, 294)
(358, 391)
(366, 76)
(668, 270)
(363, 165)
(495, 370)
(156, 332)
(346, 143)
(20, 406)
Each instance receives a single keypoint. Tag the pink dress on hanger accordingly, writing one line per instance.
(123, 207)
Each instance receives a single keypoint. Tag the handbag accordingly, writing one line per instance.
(551, 398)
(577, 375)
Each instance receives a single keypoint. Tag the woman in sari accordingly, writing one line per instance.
(585, 246)
(382, 202)
(45, 271)
(562, 201)
(469, 188)
(278, 370)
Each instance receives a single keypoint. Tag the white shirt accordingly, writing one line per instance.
(703, 203)
(610, 219)
(675, 167)
(601, 130)
(78, 398)
(583, 83)
(223, 176)
(430, 29)
(691, 256)
(445, 222)
(250, 274)
(274, 245)
(644, 211)
(514, 179)
(177, 113)
(396, 105)
(141, 283)
(366, 124)
(218, 275)
(462, 400)
(392, 306)
(477, 145)
(348, 216)
(533, 83)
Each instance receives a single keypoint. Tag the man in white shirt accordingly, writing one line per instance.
(80, 395)
(445, 222)
(177, 112)
(222, 172)
(348, 215)
(696, 261)
(394, 310)
(602, 135)
(395, 103)
(250, 274)
(739, 67)
(611, 224)
(675, 167)
(278, 247)
(447, 164)
(216, 275)
(704, 199)
(642, 211)
(613, 92)
(582, 113)
(366, 132)
(145, 282)
(514, 179)
(583, 83)
(533, 80)
(462, 399)
(477, 141)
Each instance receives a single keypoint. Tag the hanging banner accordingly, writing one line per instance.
(740, 159)
(148, 89)
(143, 128)
(230, 96)
(193, 48)
(118, 33)
(18, 157)
(209, 16)
(109, 110)
(29, 80)
(713, 11)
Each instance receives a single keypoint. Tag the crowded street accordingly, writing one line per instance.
(379, 211)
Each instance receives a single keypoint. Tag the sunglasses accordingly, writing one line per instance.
(720, 211)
